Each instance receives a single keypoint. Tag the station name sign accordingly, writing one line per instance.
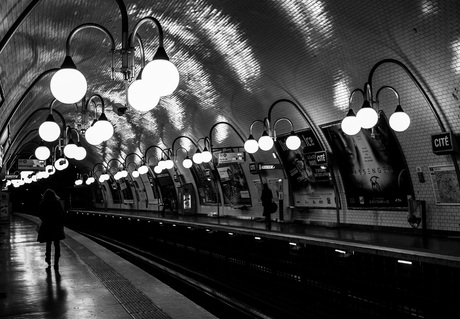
(443, 143)
(31, 165)
(232, 157)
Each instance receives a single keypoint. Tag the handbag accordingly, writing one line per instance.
(274, 208)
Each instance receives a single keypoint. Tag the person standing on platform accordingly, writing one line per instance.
(51, 230)
(267, 199)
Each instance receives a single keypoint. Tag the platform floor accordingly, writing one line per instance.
(91, 281)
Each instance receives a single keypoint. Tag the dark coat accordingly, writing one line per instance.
(267, 199)
(52, 216)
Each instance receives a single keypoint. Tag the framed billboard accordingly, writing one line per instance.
(373, 168)
(308, 172)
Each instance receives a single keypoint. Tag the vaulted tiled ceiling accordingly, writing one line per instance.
(235, 59)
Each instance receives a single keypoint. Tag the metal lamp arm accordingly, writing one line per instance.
(279, 120)
(389, 88)
(93, 26)
(141, 22)
(91, 100)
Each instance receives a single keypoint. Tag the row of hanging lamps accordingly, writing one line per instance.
(90, 180)
(367, 116)
(49, 130)
(100, 130)
(72, 150)
(143, 169)
(266, 142)
(104, 177)
(158, 78)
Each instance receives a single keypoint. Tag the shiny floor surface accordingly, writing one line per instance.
(90, 282)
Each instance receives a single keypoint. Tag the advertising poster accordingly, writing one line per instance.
(445, 184)
(308, 178)
(275, 185)
(234, 184)
(372, 166)
(167, 189)
(207, 191)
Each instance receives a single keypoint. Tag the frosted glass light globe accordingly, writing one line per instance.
(206, 156)
(142, 96)
(103, 128)
(157, 169)
(197, 158)
(251, 146)
(80, 153)
(367, 116)
(143, 169)
(42, 152)
(61, 163)
(135, 174)
(162, 76)
(92, 136)
(168, 164)
(70, 150)
(50, 169)
(49, 130)
(187, 163)
(265, 142)
(399, 120)
(68, 85)
(293, 142)
(350, 124)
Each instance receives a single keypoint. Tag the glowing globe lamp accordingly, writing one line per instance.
(49, 130)
(350, 124)
(265, 142)
(293, 142)
(162, 75)
(42, 152)
(197, 159)
(143, 169)
(61, 163)
(68, 85)
(399, 120)
(187, 163)
(142, 96)
(251, 146)
(103, 128)
(367, 116)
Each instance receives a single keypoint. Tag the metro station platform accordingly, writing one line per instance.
(91, 282)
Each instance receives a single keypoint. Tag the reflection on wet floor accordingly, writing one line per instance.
(29, 289)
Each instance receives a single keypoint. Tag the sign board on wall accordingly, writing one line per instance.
(31, 165)
(232, 157)
(443, 143)
(445, 184)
